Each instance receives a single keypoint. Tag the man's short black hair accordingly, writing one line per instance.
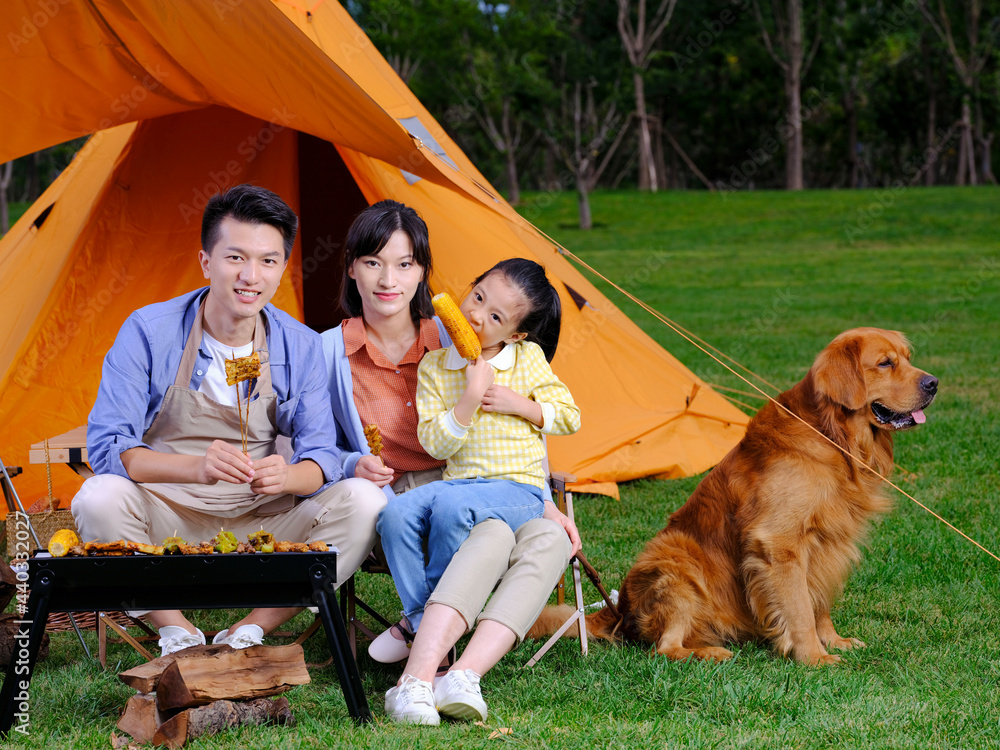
(251, 205)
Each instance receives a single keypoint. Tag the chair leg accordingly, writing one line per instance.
(577, 585)
(347, 600)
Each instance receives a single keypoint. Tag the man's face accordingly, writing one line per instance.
(243, 270)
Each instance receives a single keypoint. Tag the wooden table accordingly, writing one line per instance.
(69, 448)
(75, 584)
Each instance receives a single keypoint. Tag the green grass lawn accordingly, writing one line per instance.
(768, 278)
(15, 210)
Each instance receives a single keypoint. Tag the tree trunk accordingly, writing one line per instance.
(793, 91)
(33, 178)
(6, 170)
(986, 143)
(966, 164)
(550, 177)
(647, 167)
(510, 145)
(583, 200)
(851, 112)
(931, 126)
(793, 152)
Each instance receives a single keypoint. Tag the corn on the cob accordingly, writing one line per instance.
(61, 541)
(374, 438)
(462, 335)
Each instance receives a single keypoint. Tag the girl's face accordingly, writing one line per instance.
(494, 308)
(387, 281)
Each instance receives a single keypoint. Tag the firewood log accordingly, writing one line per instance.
(141, 718)
(253, 672)
(204, 720)
(144, 677)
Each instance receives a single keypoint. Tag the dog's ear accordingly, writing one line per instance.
(838, 376)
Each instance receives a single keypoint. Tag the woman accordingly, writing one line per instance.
(372, 359)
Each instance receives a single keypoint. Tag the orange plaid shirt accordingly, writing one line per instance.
(385, 394)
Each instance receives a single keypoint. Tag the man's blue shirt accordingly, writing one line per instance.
(142, 364)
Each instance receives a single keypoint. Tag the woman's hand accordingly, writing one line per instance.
(371, 468)
(554, 514)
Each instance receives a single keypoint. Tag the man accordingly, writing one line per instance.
(165, 435)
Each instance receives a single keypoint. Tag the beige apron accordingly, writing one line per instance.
(189, 421)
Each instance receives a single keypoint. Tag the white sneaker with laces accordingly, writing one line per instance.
(243, 637)
(412, 702)
(175, 638)
(458, 696)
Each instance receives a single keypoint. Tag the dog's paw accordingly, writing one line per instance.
(712, 653)
(824, 660)
(844, 644)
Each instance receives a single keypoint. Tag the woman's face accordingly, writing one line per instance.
(387, 281)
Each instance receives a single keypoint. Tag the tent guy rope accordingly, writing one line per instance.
(698, 344)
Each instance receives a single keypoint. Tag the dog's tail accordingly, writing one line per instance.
(601, 624)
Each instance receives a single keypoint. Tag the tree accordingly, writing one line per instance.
(503, 89)
(639, 41)
(594, 124)
(790, 55)
(6, 171)
(968, 63)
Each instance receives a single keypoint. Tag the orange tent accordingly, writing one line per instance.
(186, 98)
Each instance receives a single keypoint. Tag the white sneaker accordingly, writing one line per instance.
(412, 702)
(175, 638)
(458, 696)
(243, 637)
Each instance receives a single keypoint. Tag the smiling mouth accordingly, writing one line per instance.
(247, 293)
(898, 420)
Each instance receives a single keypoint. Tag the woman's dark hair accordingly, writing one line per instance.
(543, 317)
(249, 204)
(369, 233)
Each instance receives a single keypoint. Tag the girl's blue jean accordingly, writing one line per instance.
(442, 514)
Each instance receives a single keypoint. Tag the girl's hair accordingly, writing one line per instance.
(543, 317)
(369, 233)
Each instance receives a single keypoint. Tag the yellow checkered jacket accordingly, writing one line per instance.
(494, 446)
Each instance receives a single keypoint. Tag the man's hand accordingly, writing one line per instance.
(226, 463)
(554, 514)
(270, 475)
(372, 469)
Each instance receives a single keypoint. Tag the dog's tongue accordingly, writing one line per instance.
(918, 416)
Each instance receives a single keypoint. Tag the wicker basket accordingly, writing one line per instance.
(45, 525)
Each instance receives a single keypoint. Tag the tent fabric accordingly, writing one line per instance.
(230, 90)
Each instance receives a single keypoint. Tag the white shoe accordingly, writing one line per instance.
(412, 702)
(175, 638)
(458, 696)
(243, 637)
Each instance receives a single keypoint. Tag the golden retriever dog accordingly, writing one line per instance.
(763, 547)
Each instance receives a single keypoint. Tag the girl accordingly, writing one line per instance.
(486, 418)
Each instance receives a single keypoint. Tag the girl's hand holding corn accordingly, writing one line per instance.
(478, 377)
